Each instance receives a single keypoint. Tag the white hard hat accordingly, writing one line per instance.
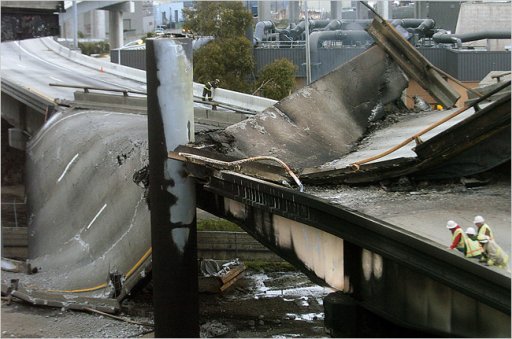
(478, 220)
(451, 224)
(470, 231)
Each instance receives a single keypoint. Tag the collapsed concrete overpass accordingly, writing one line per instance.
(363, 254)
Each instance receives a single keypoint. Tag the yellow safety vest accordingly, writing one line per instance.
(462, 237)
(473, 248)
(482, 230)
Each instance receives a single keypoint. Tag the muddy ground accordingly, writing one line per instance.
(261, 304)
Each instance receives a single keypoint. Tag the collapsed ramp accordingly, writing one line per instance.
(428, 145)
(320, 122)
(89, 221)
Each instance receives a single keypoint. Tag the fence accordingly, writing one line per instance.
(465, 65)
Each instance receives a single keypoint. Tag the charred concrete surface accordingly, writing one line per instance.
(328, 116)
(469, 142)
(172, 193)
(388, 268)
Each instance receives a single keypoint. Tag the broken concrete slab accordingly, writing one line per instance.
(320, 122)
(88, 214)
(472, 142)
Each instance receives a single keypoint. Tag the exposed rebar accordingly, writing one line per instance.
(237, 163)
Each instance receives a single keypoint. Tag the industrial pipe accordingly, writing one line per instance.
(412, 23)
(442, 36)
(172, 198)
(301, 27)
(261, 28)
(422, 27)
(316, 39)
(333, 25)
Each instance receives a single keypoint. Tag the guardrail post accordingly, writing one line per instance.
(172, 192)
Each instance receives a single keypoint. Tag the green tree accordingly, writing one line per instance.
(220, 19)
(276, 80)
(229, 57)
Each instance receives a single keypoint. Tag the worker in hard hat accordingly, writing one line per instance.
(494, 254)
(209, 87)
(458, 237)
(483, 228)
(473, 248)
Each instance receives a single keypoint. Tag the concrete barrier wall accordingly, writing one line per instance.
(249, 102)
(108, 67)
(229, 245)
(210, 245)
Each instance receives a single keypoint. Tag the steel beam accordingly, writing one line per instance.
(405, 248)
(412, 62)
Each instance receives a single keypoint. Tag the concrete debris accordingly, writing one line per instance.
(213, 329)
(328, 116)
(420, 104)
(219, 275)
(9, 265)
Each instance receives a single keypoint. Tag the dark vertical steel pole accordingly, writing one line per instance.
(172, 193)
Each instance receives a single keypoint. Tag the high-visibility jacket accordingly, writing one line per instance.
(485, 230)
(458, 237)
(495, 255)
(209, 85)
(473, 248)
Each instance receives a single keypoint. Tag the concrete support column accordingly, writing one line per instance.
(172, 191)
(336, 9)
(386, 10)
(115, 21)
(293, 11)
(361, 11)
(341, 315)
(264, 10)
(98, 24)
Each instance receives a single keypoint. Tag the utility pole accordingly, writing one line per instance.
(308, 52)
(75, 25)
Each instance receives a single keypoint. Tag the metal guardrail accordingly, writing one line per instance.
(106, 89)
(125, 92)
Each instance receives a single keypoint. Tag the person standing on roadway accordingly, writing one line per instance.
(483, 228)
(494, 254)
(457, 236)
(209, 87)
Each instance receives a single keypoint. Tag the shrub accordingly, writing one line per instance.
(98, 47)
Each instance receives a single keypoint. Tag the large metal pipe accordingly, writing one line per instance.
(413, 23)
(115, 17)
(442, 36)
(313, 24)
(172, 191)
(316, 39)
(260, 29)
(333, 25)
